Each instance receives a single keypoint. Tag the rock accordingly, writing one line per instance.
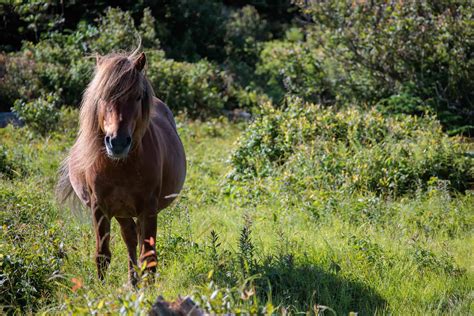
(9, 118)
(180, 307)
(238, 115)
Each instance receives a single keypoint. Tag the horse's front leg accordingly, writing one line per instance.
(147, 235)
(102, 232)
(129, 235)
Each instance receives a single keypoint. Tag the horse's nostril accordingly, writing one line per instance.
(129, 140)
(107, 140)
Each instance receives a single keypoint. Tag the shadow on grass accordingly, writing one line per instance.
(300, 285)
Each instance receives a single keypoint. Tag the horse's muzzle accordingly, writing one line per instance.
(117, 147)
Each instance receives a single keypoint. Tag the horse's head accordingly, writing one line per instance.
(123, 96)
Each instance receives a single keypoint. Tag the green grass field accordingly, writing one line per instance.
(254, 248)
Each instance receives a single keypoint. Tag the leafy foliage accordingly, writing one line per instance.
(41, 115)
(57, 65)
(245, 32)
(293, 68)
(409, 58)
(335, 199)
(278, 244)
(197, 88)
(116, 31)
(350, 150)
(416, 47)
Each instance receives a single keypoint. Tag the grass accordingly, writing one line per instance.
(252, 248)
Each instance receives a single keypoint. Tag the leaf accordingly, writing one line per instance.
(101, 304)
(151, 264)
(77, 284)
(150, 241)
(147, 254)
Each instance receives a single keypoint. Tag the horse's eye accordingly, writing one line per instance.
(139, 98)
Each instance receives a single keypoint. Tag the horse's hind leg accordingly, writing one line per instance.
(147, 233)
(129, 235)
(102, 231)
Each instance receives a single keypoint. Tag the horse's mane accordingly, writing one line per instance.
(115, 76)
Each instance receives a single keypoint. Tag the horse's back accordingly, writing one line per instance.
(165, 112)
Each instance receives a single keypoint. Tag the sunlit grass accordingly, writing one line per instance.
(413, 258)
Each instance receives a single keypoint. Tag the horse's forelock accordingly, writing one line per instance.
(118, 78)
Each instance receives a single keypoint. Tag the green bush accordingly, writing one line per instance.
(116, 31)
(403, 103)
(423, 48)
(314, 148)
(62, 61)
(41, 115)
(197, 88)
(8, 92)
(60, 64)
(245, 30)
(294, 68)
(19, 79)
(38, 16)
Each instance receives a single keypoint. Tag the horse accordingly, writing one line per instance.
(128, 161)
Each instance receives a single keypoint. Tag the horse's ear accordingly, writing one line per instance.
(98, 59)
(140, 62)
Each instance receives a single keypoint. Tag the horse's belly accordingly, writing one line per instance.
(121, 202)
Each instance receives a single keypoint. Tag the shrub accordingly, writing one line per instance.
(57, 68)
(351, 150)
(39, 16)
(294, 68)
(402, 103)
(59, 63)
(245, 33)
(19, 79)
(41, 115)
(68, 121)
(245, 29)
(116, 31)
(420, 47)
(196, 88)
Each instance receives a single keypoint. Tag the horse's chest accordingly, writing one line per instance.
(125, 196)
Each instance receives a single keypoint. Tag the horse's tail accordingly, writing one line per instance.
(64, 190)
(65, 194)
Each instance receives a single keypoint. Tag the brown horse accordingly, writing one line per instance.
(128, 160)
